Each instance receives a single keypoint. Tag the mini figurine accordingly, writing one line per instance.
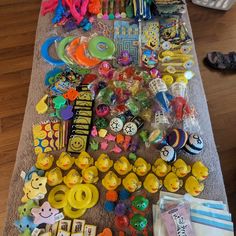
(193, 187)
(103, 163)
(138, 222)
(54, 176)
(131, 182)
(140, 203)
(172, 183)
(194, 144)
(90, 175)
(200, 171)
(44, 161)
(151, 183)
(124, 59)
(111, 181)
(122, 166)
(141, 167)
(72, 178)
(161, 168)
(180, 168)
(84, 160)
(65, 161)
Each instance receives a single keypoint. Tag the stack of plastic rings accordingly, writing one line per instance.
(73, 50)
(74, 201)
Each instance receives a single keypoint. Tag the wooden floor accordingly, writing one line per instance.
(213, 30)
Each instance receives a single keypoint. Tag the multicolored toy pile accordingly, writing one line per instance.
(120, 119)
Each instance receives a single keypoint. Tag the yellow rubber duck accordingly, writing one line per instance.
(111, 181)
(131, 182)
(200, 171)
(65, 161)
(193, 187)
(54, 176)
(72, 178)
(90, 175)
(122, 166)
(161, 168)
(180, 168)
(84, 160)
(172, 183)
(151, 183)
(103, 163)
(141, 167)
(44, 161)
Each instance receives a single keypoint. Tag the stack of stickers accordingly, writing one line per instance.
(81, 124)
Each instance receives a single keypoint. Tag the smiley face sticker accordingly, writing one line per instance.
(77, 143)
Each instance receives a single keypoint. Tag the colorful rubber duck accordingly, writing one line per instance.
(44, 161)
(200, 171)
(131, 182)
(180, 168)
(65, 161)
(72, 178)
(103, 163)
(122, 166)
(172, 183)
(54, 176)
(90, 175)
(193, 187)
(84, 160)
(161, 168)
(111, 181)
(151, 183)
(141, 167)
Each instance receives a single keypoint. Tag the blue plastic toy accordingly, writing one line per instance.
(32, 170)
(124, 194)
(109, 206)
(24, 223)
(50, 76)
(58, 13)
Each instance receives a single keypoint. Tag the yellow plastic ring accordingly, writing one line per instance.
(73, 214)
(76, 200)
(168, 79)
(95, 197)
(182, 79)
(53, 200)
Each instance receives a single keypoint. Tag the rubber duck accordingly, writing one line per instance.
(84, 160)
(193, 187)
(131, 182)
(72, 178)
(180, 168)
(44, 161)
(200, 171)
(151, 183)
(122, 166)
(141, 167)
(90, 175)
(161, 168)
(65, 161)
(172, 183)
(111, 181)
(54, 176)
(103, 163)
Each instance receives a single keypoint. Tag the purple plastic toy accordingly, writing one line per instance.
(120, 209)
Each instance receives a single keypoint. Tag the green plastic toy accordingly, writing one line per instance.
(140, 203)
(138, 222)
(59, 102)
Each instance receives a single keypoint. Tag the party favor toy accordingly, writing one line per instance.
(177, 138)
(90, 175)
(172, 183)
(111, 181)
(161, 168)
(84, 160)
(151, 183)
(193, 187)
(122, 166)
(131, 182)
(168, 154)
(65, 161)
(200, 171)
(194, 144)
(54, 176)
(42, 107)
(103, 163)
(140, 203)
(44, 161)
(26, 222)
(141, 167)
(44, 214)
(138, 222)
(32, 170)
(25, 209)
(180, 168)
(72, 178)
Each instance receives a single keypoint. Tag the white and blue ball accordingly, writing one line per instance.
(194, 144)
(168, 154)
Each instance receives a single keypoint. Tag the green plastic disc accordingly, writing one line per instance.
(101, 47)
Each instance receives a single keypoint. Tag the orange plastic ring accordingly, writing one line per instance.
(82, 59)
(72, 47)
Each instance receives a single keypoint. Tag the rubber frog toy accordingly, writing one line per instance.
(90, 175)
(138, 222)
(193, 187)
(103, 163)
(44, 161)
(180, 168)
(54, 176)
(200, 171)
(65, 161)
(172, 183)
(151, 183)
(140, 203)
(111, 181)
(131, 182)
(122, 166)
(72, 178)
(161, 168)
(141, 167)
(84, 160)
